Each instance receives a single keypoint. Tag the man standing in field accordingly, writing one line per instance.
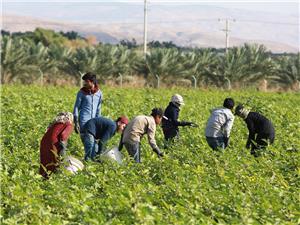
(88, 102)
(219, 125)
(135, 130)
(261, 130)
(97, 131)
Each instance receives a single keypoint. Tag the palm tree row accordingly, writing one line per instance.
(23, 60)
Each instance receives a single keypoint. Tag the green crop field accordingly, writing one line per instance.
(190, 185)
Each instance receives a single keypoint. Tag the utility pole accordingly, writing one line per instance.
(145, 28)
(226, 30)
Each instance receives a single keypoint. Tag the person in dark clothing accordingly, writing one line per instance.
(261, 130)
(97, 131)
(170, 121)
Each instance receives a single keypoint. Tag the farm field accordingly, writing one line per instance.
(190, 185)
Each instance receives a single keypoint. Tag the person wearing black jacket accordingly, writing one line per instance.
(170, 121)
(261, 130)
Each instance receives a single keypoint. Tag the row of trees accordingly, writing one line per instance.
(26, 58)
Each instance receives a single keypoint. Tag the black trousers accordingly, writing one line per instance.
(170, 133)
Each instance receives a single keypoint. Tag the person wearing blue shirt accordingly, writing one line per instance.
(97, 131)
(88, 102)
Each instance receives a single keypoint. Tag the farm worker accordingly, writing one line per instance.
(135, 130)
(53, 143)
(97, 131)
(88, 102)
(219, 125)
(170, 121)
(261, 130)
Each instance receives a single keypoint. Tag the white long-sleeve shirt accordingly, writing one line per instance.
(220, 123)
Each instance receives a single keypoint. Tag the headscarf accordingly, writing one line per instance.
(241, 111)
(62, 117)
(244, 113)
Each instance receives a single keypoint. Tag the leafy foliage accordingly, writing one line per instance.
(25, 56)
(190, 185)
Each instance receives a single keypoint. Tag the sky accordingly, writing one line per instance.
(279, 6)
(261, 20)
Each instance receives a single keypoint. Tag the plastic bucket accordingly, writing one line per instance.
(112, 154)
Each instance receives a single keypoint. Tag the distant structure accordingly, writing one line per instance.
(145, 28)
(226, 30)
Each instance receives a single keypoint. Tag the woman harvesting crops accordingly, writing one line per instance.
(53, 143)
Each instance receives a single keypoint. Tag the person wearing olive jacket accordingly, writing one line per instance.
(170, 121)
(135, 130)
(88, 102)
(261, 129)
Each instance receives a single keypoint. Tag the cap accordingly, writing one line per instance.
(123, 119)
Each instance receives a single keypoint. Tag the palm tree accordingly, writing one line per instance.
(58, 55)
(200, 64)
(288, 71)
(165, 63)
(81, 61)
(260, 64)
(14, 56)
(230, 67)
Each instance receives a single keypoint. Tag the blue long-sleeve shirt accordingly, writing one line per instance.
(87, 106)
(101, 128)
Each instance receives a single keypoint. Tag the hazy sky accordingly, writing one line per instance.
(283, 7)
(276, 21)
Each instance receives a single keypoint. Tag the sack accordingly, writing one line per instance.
(73, 165)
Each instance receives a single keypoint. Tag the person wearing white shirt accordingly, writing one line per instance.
(219, 125)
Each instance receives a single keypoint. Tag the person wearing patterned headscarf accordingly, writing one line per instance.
(53, 143)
